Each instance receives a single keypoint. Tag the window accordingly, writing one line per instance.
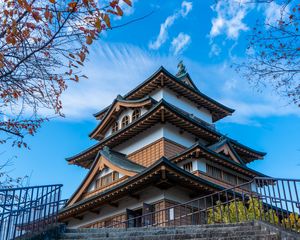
(115, 176)
(230, 178)
(125, 121)
(107, 179)
(223, 175)
(241, 180)
(136, 114)
(188, 166)
(115, 127)
(171, 214)
(214, 172)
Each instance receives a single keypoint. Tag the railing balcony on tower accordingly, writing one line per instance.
(272, 200)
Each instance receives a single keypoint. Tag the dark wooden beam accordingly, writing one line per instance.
(135, 196)
(113, 204)
(162, 82)
(163, 115)
(163, 173)
(79, 217)
(197, 153)
(164, 184)
(95, 211)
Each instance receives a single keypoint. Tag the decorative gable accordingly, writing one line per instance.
(224, 148)
(109, 168)
(120, 114)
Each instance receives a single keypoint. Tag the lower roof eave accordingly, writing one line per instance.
(136, 183)
(199, 147)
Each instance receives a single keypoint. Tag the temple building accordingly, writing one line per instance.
(156, 146)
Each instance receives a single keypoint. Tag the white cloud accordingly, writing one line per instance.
(112, 69)
(127, 10)
(180, 43)
(235, 92)
(229, 19)
(162, 37)
(275, 12)
(215, 50)
(186, 7)
(117, 68)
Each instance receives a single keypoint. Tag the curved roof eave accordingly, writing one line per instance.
(194, 89)
(120, 99)
(198, 145)
(161, 161)
(180, 113)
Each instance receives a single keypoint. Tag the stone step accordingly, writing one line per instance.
(153, 231)
(204, 226)
(262, 236)
(167, 236)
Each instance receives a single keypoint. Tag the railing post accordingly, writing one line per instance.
(286, 204)
(271, 205)
(236, 208)
(213, 209)
(265, 182)
(258, 198)
(228, 209)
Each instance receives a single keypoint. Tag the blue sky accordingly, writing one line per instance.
(209, 37)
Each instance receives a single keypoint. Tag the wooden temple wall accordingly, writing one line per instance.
(147, 155)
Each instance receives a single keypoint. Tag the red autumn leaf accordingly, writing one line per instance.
(107, 20)
(89, 40)
(119, 10)
(128, 2)
(72, 4)
(82, 56)
(36, 16)
(113, 4)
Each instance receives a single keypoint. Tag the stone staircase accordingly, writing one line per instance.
(247, 230)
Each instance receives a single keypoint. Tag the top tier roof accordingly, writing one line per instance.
(183, 85)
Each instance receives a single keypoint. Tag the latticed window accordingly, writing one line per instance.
(214, 172)
(230, 178)
(136, 114)
(107, 179)
(115, 127)
(188, 166)
(125, 121)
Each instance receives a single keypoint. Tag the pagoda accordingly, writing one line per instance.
(157, 146)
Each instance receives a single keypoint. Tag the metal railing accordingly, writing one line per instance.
(276, 201)
(28, 210)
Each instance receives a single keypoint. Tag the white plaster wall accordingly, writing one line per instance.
(183, 103)
(154, 133)
(177, 135)
(157, 94)
(198, 164)
(201, 165)
(144, 138)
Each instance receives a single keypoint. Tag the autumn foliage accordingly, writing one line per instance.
(43, 44)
